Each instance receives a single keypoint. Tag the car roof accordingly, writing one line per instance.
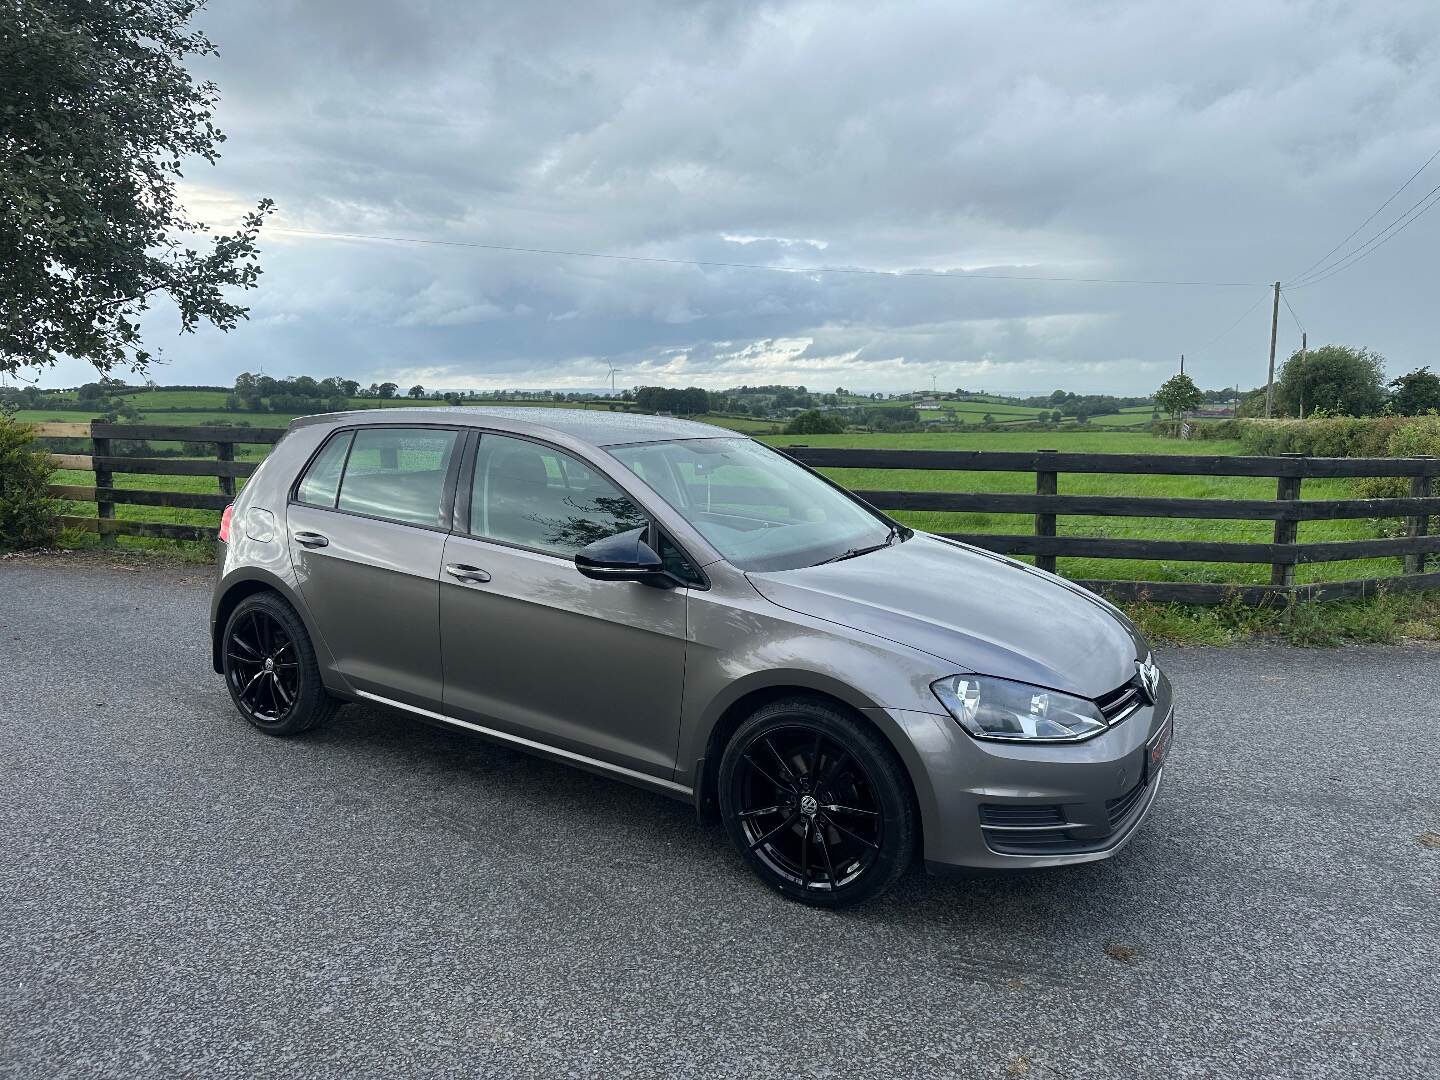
(584, 425)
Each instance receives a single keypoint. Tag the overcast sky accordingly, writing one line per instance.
(1214, 141)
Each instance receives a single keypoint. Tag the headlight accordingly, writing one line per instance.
(998, 709)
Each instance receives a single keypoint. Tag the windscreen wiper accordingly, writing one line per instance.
(851, 553)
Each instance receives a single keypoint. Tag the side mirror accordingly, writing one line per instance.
(622, 557)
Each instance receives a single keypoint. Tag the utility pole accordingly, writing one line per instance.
(1274, 329)
(1182, 363)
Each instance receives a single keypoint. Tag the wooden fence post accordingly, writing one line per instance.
(225, 451)
(1282, 571)
(1420, 487)
(1047, 482)
(103, 479)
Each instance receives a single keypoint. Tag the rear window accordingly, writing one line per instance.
(392, 473)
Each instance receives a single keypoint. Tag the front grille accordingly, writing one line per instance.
(1122, 701)
(1000, 815)
(1119, 808)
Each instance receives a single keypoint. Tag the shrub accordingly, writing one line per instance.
(815, 422)
(1330, 436)
(28, 515)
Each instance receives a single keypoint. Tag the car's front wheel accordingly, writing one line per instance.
(817, 803)
(270, 668)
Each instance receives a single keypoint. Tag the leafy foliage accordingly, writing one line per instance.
(815, 422)
(1336, 378)
(1416, 393)
(1179, 394)
(1343, 436)
(687, 402)
(27, 512)
(98, 115)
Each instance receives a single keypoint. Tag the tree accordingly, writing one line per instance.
(386, 390)
(1416, 393)
(417, 391)
(1178, 395)
(814, 422)
(1341, 380)
(99, 116)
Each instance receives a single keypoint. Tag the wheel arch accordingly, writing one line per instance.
(750, 695)
(249, 582)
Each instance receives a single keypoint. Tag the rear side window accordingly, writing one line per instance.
(398, 474)
(321, 482)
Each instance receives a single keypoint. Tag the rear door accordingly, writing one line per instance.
(533, 648)
(366, 526)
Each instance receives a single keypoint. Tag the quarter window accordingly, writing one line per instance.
(536, 497)
(321, 482)
(398, 474)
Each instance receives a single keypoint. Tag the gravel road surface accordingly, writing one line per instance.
(181, 895)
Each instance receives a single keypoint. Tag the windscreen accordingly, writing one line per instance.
(758, 508)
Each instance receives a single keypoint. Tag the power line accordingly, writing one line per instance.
(761, 266)
(1394, 195)
(1379, 240)
(1292, 312)
(1243, 315)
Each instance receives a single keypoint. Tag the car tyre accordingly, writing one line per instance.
(817, 803)
(270, 668)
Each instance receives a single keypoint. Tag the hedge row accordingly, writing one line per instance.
(1341, 436)
(1337, 436)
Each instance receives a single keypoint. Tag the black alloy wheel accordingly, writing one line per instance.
(264, 668)
(270, 668)
(817, 805)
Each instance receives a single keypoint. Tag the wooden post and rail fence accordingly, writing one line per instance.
(1045, 543)
(105, 463)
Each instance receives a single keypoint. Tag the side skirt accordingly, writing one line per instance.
(555, 753)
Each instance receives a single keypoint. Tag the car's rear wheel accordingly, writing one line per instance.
(817, 803)
(270, 668)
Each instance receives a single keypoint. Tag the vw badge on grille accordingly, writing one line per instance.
(1149, 677)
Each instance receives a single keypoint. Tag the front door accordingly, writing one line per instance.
(367, 533)
(530, 646)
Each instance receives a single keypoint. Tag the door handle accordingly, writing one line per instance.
(311, 539)
(465, 572)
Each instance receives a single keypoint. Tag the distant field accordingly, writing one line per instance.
(1132, 417)
(177, 399)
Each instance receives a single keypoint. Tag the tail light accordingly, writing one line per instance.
(225, 523)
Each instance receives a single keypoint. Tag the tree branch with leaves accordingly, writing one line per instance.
(97, 117)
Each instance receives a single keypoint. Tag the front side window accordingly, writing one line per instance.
(534, 496)
(398, 474)
(758, 508)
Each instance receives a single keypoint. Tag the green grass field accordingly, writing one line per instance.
(1075, 440)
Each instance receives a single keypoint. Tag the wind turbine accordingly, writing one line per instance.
(613, 372)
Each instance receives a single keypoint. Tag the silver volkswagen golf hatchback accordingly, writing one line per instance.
(672, 605)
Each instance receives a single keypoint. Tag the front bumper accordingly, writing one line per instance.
(998, 805)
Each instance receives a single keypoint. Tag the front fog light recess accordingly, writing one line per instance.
(991, 708)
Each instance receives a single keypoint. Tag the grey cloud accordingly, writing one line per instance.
(1215, 140)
